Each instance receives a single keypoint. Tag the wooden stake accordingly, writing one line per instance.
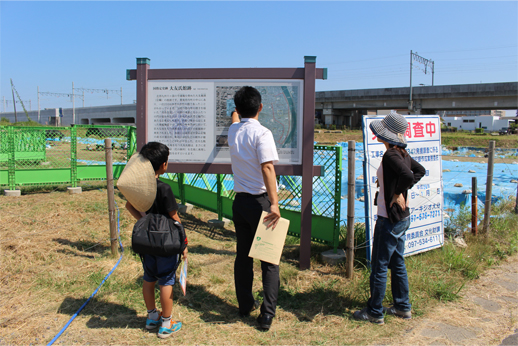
(489, 186)
(474, 213)
(111, 197)
(349, 250)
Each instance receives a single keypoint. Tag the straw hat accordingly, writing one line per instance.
(391, 129)
(138, 183)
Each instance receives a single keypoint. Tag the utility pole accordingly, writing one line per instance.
(410, 106)
(14, 102)
(73, 106)
(433, 71)
(72, 97)
(39, 104)
(428, 64)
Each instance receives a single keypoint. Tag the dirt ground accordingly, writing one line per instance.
(325, 137)
(479, 159)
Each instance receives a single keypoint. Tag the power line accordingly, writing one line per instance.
(104, 91)
(45, 93)
(480, 58)
(470, 50)
(73, 95)
(7, 102)
(363, 60)
(427, 52)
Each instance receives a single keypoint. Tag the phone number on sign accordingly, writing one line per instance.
(422, 241)
(424, 216)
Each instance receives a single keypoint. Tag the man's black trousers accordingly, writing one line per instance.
(247, 211)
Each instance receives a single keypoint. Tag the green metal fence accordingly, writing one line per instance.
(61, 155)
(214, 192)
(69, 155)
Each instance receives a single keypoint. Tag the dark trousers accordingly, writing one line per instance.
(247, 211)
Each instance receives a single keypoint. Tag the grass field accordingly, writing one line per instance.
(56, 251)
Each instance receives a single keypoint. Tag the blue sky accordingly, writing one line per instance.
(363, 44)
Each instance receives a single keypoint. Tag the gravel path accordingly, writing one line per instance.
(487, 314)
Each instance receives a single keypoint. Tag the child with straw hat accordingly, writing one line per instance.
(140, 185)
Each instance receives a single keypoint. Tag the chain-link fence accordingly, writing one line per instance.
(214, 192)
(61, 155)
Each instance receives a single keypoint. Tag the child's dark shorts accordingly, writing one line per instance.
(160, 268)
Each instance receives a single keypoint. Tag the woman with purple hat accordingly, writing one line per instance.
(397, 173)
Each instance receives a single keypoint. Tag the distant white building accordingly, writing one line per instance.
(475, 112)
(470, 123)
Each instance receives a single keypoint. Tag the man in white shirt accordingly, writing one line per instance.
(253, 153)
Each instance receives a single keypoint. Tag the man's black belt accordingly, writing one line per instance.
(246, 194)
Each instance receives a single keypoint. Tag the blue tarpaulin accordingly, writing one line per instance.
(454, 172)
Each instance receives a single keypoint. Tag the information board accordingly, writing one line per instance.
(423, 136)
(193, 117)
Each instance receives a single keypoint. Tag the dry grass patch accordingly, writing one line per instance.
(55, 252)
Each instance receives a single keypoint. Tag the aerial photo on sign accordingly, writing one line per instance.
(280, 115)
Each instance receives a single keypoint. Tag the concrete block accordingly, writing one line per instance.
(13, 193)
(487, 304)
(185, 208)
(215, 223)
(332, 258)
(511, 339)
(74, 190)
(226, 221)
(219, 224)
(455, 335)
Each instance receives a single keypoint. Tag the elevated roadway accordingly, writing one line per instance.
(345, 107)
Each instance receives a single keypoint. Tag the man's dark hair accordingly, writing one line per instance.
(247, 101)
(157, 153)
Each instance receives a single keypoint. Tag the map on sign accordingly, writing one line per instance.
(193, 117)
(279, 112)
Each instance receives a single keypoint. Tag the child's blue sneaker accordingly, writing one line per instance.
(167, 332)
(152, 324)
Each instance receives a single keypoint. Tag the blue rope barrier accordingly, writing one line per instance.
(97, 289)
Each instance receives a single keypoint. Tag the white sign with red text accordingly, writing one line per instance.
(423, 136)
